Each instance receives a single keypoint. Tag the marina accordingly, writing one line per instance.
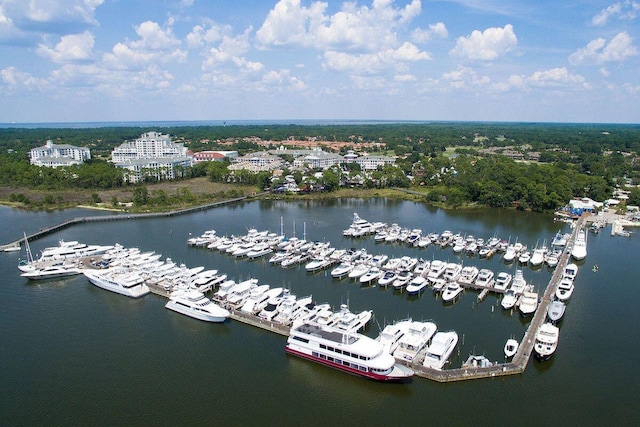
(494, 324)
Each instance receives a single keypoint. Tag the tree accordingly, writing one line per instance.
(140, 196)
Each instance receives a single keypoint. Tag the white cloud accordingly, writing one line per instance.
(627, 10)
(71, 48)
(155, 45)
(553, 78)
(207, 36)
(404, 78)
(12, 80)
(438, 30)
(556, 77)
(465, 77)
(598, 51)
(370, 63)
(487, 45)
(353, 27)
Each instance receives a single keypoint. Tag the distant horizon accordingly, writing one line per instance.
(284, 122)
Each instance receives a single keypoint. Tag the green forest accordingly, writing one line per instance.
(454, 164)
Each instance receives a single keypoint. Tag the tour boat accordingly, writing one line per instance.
(442, 345)
(511, 348)
(347, 351)
(416, 338)
(195, 304)
(119, 281)
(546, 341)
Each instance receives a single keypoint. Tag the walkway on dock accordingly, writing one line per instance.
(121, 217)
(519, 362)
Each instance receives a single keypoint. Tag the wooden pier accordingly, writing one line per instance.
(121, 217)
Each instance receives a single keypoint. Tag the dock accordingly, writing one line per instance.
(120, 217)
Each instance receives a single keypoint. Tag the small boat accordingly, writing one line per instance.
(342, 270)
(373, 274)
(546, 341)
(477, 361)
(511, 348)
(509, 300)
(555, 311)
(387, 278)
(565, 289)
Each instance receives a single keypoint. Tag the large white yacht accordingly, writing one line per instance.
(416, 339)
(451, 291)
(53, 271)
(441, 347)
(528, 303)
(347, 351)
(122, 282)
(579, 251)
(392, 333)
(546, 341)
(195, 304)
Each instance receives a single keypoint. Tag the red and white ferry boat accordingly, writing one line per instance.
(344, 350)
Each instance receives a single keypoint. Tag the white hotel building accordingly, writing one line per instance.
(151, 155)
(58, 155)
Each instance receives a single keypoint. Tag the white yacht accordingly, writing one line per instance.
(416, 285)
(537, 258)
(370, 276)
(468, 274)
(579, 251)
(53, 271)
(239, 294)
(528, 303)
(503, 280)
(387, 278)
(392, 333)
(195, 304)
(451, 291)
(565, 289)
(416, 339)
(346, 320)
(570, 271)
(258, 298)
(509, 299)
(403, 279)
(342, 270)
(347, 351)
(511, 348)
(452, 271)
(441, 347)
(546, 341)
(510, 254)
(436, 270)
(485, 278)
(555, 311)
(119, 281)
(359, 270)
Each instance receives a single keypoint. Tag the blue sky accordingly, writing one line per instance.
(492, 60)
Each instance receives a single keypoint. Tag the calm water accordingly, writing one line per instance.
(71, 353)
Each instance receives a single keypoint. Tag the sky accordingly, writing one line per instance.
(460, 60)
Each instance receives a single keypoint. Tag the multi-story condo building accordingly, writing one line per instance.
(57, 155)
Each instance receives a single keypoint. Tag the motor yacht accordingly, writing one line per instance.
(546, 341)
(122, 282)
(392, 333)
(565, 289)
(417, 284)
(579, 250)
(503, 280)
(195, 304)
(555, 311)
(414, 340)
(528, 303)
(442, 345)
(485, 278)
(451, 291)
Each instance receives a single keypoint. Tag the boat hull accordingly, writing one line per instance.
(207, 317)
(399, 374)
